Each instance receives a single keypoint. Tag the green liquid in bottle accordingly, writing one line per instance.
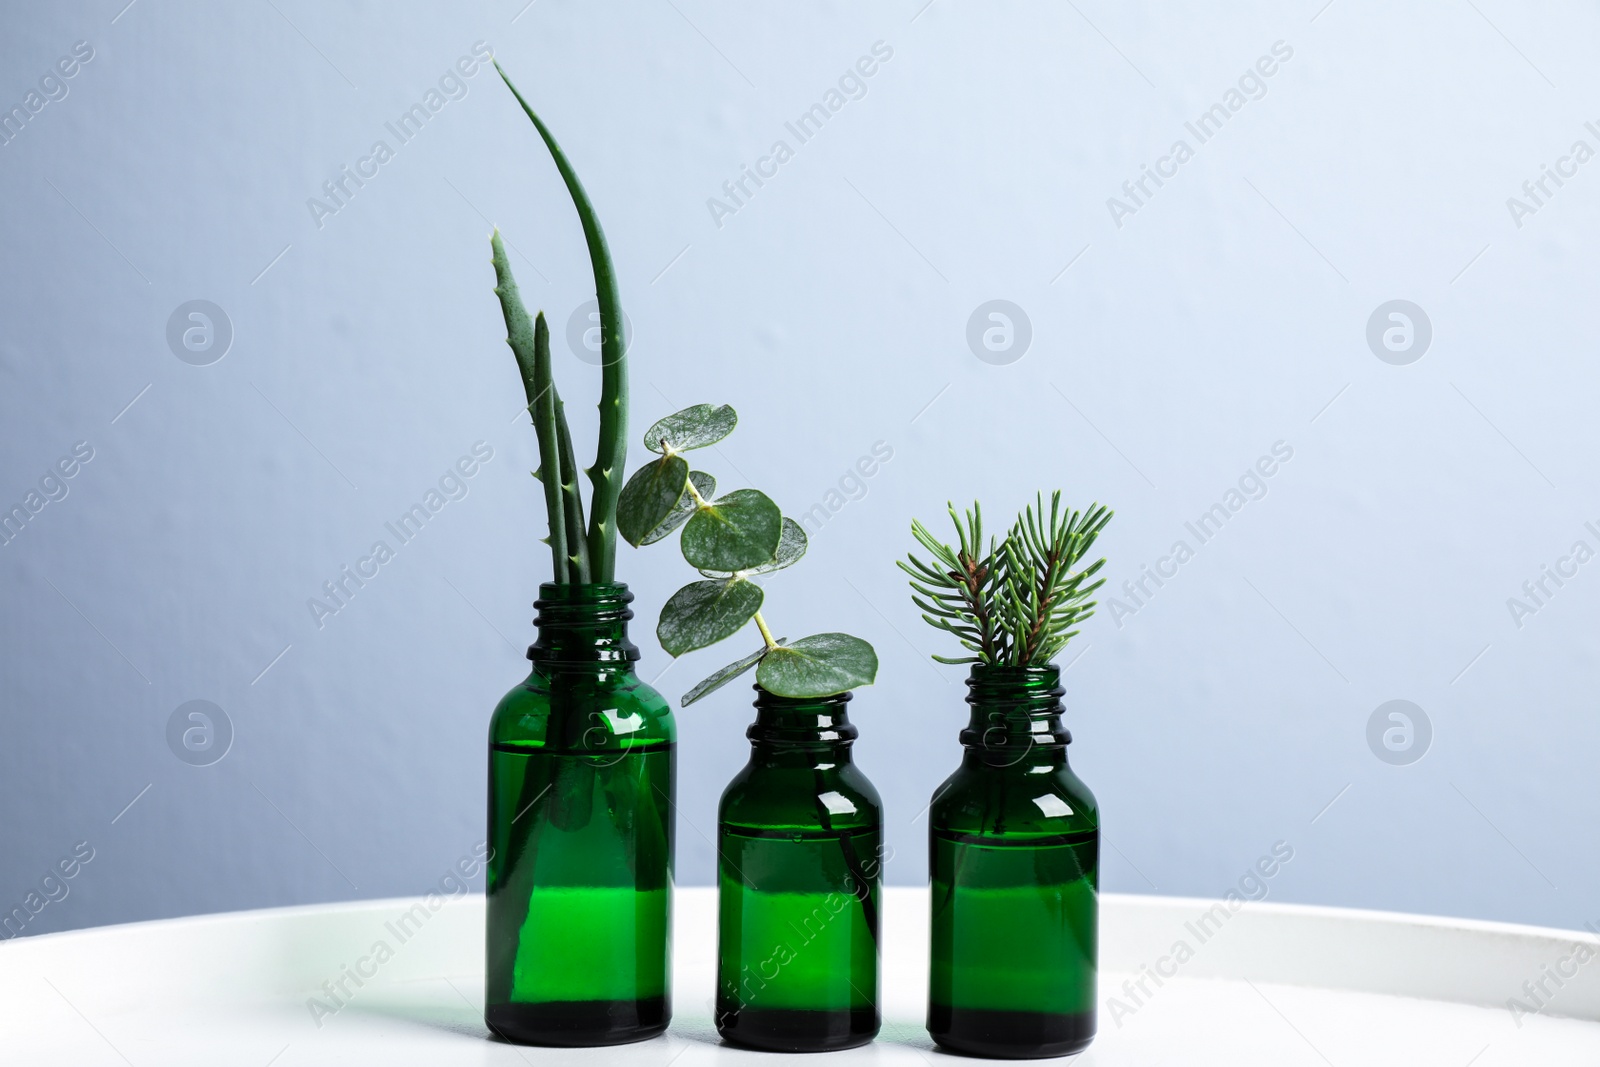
(595, 922)
(799, 869)
(808, 952)
(1046, 893)
(1014, 870)
(580, 822)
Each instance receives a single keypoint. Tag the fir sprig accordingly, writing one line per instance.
(959, 594)
(1013, 602)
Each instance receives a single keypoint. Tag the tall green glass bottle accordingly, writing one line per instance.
(799, 854)
(581, 761)
(1014, 846)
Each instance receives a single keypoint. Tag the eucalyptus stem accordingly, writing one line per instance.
(766, 634)
(694, 494)
(612, 451)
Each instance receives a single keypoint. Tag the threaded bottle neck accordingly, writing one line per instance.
(583, 625)
(801, 722)
(1014, 708)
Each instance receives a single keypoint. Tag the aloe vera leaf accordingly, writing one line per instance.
(572, 500)
(612, 451)
(530, 343)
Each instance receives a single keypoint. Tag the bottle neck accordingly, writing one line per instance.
(1016, 715)
(583, 628)
(792, 731)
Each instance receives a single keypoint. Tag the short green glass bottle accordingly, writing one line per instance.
(1014, 862)
(799, 855)
(581, 760)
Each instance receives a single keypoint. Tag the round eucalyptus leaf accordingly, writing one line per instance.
(818, 666)
(791, 546)
(724, 676)
(703, 613)
(739, 531)
(694, 427)
(706, 486)
(649, 497)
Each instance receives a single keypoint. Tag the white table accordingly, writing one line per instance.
(1272, 984)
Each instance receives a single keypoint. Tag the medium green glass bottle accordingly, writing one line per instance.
(799, 858)
(580, 820)
(1014, 849)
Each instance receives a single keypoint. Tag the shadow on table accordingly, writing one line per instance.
(443, 1005)
(435, 1004)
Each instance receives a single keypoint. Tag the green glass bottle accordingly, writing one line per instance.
(580, 822)
(799, 857)
(1014, 847)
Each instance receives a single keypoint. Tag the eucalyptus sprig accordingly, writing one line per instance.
(579, 555)
(730, 540)
(1012, 601)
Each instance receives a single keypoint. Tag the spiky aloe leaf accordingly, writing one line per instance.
(571, 498)
(530, 343)
(612, 452)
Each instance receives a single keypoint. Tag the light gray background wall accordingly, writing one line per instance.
(1227, 313)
